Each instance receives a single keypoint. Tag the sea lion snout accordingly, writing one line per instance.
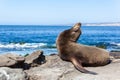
(76, 27)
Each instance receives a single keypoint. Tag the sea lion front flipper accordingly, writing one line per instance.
(78, 66)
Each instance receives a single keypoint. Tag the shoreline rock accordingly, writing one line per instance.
(116, 55)
(55, 69)
(12, 74)
(35, 59)
(11, 60)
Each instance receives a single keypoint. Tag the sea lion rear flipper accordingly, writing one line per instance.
(78, 66)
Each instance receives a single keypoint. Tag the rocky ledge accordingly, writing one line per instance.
(36, 66)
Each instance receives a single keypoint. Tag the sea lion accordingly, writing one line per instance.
(80, 55)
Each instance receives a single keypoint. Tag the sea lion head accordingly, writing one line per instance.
(75, 32)
(71, 34)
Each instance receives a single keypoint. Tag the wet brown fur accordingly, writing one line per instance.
(80, 55)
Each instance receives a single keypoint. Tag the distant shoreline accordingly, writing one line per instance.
(83, 24)
(102, 24)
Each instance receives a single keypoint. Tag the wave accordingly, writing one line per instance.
(115, 44)
(45, 46)
(25, 45)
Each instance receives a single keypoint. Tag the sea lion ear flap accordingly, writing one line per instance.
(76, 27)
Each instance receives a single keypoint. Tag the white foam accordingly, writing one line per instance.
(117, 44)
(26, 45)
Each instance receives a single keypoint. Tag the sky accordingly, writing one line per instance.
(53, 12)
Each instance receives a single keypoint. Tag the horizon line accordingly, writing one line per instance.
(67, 24)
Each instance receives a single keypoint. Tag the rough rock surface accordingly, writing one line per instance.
(115, 54)
(56, 69)
(53, 69)
(35, 59)
(12, 74)
(11, 60)
(15, 57)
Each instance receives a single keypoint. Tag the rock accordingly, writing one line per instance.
(115, 54)
(6, 62)
(35, 59)
(12, 74)
(53, 69)
(56, 69)
(16, 61)
(15, 57)
(11, 60)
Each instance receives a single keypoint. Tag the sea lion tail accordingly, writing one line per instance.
(78, 66)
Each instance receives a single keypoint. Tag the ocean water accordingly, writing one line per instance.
(24, 39)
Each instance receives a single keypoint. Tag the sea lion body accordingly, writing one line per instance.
(80, 55)
(90, 56)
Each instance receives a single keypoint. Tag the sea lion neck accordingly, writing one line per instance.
(63, 38)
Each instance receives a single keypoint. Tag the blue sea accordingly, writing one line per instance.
(24, 39)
